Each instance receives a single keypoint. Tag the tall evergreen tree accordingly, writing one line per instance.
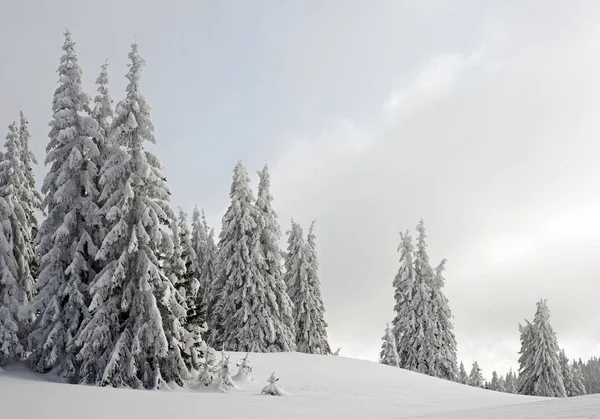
(445, 360)
(389, 353)
(494, 383)
(200, 246)
(188, 286)
(404, 283)
(134, 337)
(277, 303)
(462, 374)
(15, 191)
(65, 245)
(30, 196)
(301, 277)
(10, 339)
(524, 383)
(208, 273)
(541, 365)
(475, 377)
(413, 323)
(241, 318)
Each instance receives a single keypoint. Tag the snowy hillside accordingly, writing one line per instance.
(319, 387)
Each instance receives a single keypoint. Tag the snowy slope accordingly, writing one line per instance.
(319, 387)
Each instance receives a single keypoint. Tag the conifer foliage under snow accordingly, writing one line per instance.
(389, 353)
(540, 371)
(136, 330)
(65, 245)
(304, 289)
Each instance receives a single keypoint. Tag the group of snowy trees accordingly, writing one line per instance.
(544, 369)
(421, 338)
(113, 288)
(254, 304)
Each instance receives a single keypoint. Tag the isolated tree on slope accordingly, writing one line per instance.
(445, 361)
(135, 333)
(277, 303)
(567, 373)
(301, 277)
(30, 195)
(578, 380)
(462, 374)
(475, 377)
(389, 353)
(542, 365)
(65, 245)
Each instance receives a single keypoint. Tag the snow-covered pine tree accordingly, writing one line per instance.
(445, 361)
(282, 334)
(567, 373)
(542, 367)
(10, 305)
(462, 374)
(494, 385)
(15, 191)
(414, 322)
(523, 383)
(205, 252)
(64, 246)
(188, 286)
(30, 195)
(103, 112)
(199, 237)
(389, 352)
(301, 277)
(475, 377)
(134, 336)
(511, 382)
(578, 380)
(239, 311)
(311, 331)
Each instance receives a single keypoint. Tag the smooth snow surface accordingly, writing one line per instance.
(318, 386)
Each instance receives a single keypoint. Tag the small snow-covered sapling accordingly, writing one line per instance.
(273, 388)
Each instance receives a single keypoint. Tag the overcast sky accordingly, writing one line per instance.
(479, 117)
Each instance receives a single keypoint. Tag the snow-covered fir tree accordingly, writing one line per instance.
(240, 315)
(413, 324)
(494, 383)
(103, 112)
(462, 374)
(65, 245)
(304, 289)
(567, 373)
(389, 352)
(134, 336)
(14, 189)
(445, 363)
(578, 380)
(198, 240)
(511, 382)
(10, 306)
(208, 273)
(541, 365)
(188, 286)
(524, 384)
(11, 293)
(475, 378)
(30, 195)
(277, 303)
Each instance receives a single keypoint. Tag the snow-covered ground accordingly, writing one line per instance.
(319, 387)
